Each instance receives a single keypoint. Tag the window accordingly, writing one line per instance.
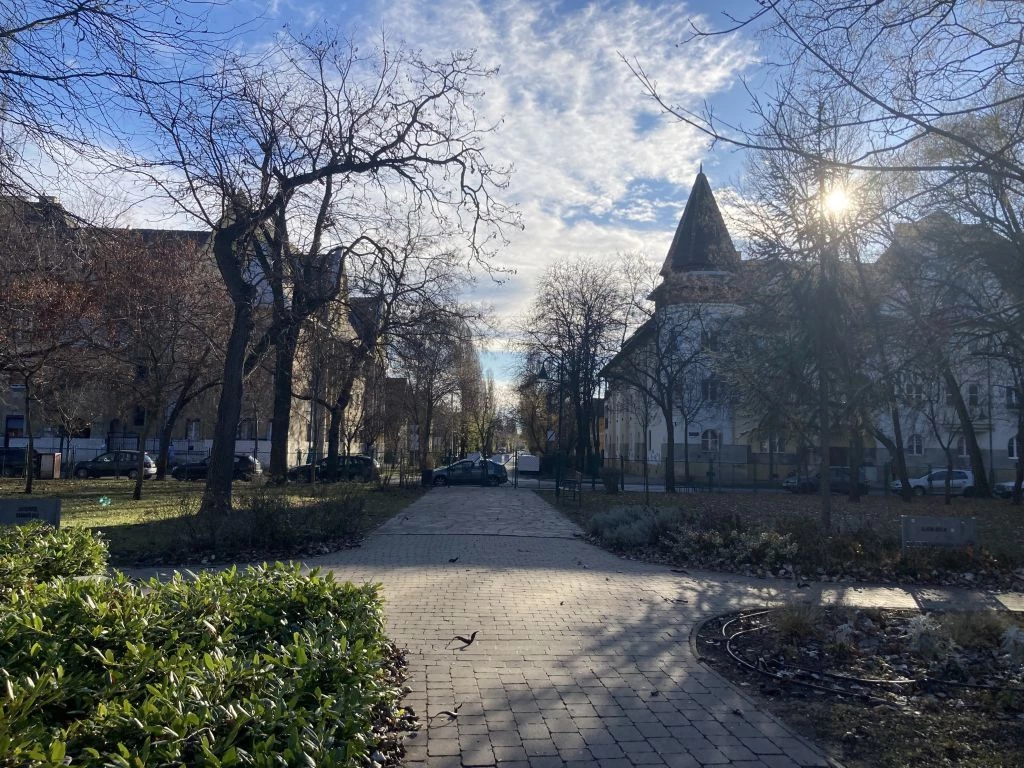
(973, 391)
(192, 429)
(1012, 398)
(139, 417)
(709, 389)
(949, 397)
(961, 447)
(247, 429)
(1013, 448)
(776, 444)
(914, 389)
(709, 440)
(915, 446)
(709, 341)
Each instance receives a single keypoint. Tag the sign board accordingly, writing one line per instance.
(19, 511)
(937, 531)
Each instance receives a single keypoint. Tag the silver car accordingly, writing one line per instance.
(961, 482)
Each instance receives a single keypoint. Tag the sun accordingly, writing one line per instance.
(837, 201)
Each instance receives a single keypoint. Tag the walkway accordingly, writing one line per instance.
(582, 658)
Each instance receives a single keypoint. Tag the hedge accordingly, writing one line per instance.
(262, 667)
(37, 552)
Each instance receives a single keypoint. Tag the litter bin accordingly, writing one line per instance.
(49, 466)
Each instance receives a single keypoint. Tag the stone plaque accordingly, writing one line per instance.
(937, 531)
(24, 510)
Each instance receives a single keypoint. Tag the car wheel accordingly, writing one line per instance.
(440, 481)
(82, 474)
(132, 474)
(919, 491)
(969, 492)
(7, 472)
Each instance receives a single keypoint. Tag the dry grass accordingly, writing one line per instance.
(798, 620)
(864, 539)
(162, 524)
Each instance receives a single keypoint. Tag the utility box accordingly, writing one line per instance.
(49, 466)
(21, 511)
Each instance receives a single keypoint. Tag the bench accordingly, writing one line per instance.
(574, 483)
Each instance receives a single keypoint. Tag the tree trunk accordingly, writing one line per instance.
(1019, 474)
(981, 484)
(140, 465)
(856, 459)
(284, 375)
(217, 493)
(906, 492)
(424, 436)
(30, 464)
(670, 454)
(900, 454)
(824, 484)
(337, 414)
(686, 450)
(164, 452)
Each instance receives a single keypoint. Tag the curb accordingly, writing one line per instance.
(698, 657)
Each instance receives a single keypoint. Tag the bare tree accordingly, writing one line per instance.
(243, 150)
(576, 323)
(47, 299)
(159, 328)
(668, 359)
(69, 70)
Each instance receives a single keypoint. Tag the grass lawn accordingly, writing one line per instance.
(162, 524)
(864, 539)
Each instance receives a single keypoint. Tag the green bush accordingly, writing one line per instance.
(37, 552)
(265, 667)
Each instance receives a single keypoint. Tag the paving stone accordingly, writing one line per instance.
(567, 657)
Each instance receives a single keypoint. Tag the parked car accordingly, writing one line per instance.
(354, 467)
(12, 462)
(961, 483)
(246, 468)
(469, 472)
(116, 464)
(1004, 490)
(838, 478)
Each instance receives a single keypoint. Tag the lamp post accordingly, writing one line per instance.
(542, 375)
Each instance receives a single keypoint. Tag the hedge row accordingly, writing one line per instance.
(37, 553)
(262, 667)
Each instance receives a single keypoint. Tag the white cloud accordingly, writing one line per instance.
(575, 122)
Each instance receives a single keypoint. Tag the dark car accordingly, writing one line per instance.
(12, 462)
(470, 472)
(838, 478)
(246, 468)
(354, 467)
(116, 464)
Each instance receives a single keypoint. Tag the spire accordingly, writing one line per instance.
(701, 242)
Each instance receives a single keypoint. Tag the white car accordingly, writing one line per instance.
(1004, 490)
(961, 483)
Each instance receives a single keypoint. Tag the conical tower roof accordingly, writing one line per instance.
(702, 242)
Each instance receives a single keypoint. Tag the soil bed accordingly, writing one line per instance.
(882, 688)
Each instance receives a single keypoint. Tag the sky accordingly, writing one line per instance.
(597, 169)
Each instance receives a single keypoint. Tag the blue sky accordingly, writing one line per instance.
(597, 169)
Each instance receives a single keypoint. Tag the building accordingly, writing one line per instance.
(665, 385)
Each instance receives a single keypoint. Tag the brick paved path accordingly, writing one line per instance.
(582, 658)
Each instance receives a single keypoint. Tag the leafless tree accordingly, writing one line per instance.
(251, 149)
(575, 322)
(47, 296)
(159, 328)
(69, 70)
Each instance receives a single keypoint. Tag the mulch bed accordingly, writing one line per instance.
(882, 688)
